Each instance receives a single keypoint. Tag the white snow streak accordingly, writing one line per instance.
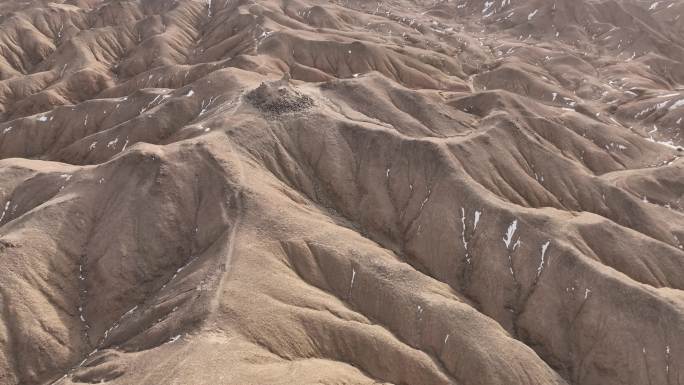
(677, 104)
(174, 339)
(531, 15)
(7, 205)
(510, 233)
(545, 246)
(351, 285)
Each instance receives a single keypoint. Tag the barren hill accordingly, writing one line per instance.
(257, 192)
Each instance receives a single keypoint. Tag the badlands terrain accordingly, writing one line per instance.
(264, 192)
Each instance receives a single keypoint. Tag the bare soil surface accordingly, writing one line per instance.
(263, 192)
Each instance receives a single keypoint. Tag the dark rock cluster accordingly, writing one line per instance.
(276, 98)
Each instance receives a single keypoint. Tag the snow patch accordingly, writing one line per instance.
(510, 233)
(531, 15)
(677, 104)
(174, 339)
(7, 205)
(463, 231)
(112, 143)
(477, 219)
(545, 246)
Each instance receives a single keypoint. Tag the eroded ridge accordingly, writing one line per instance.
(295, 192)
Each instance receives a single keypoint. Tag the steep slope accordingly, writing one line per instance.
(305, 192)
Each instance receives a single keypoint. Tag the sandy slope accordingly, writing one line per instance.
(342, 192)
